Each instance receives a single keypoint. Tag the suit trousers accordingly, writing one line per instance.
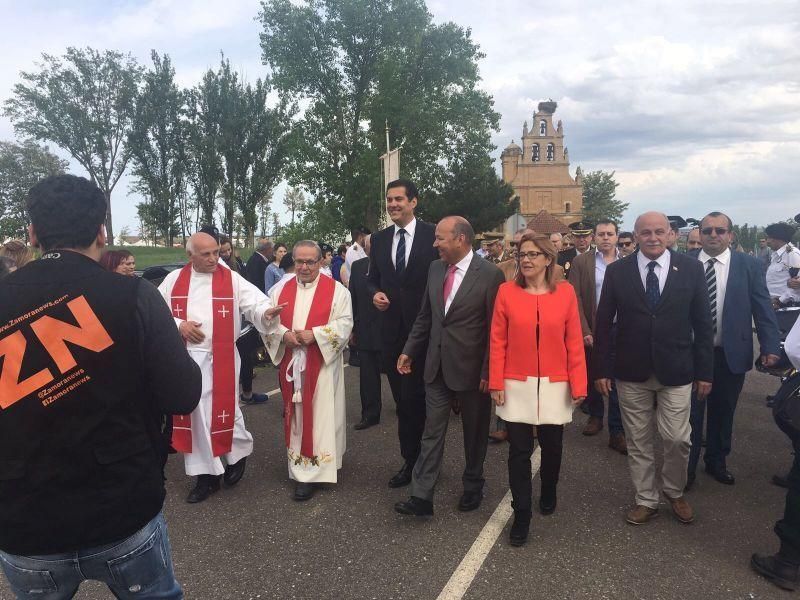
(247, 346)
(369, 378)
(476, 413)
(408, 392)
(520, 449)
(788, 528)
(720, 405)
(642, 404)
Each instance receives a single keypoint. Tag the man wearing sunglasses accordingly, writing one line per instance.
(738, 297)
(625, 244)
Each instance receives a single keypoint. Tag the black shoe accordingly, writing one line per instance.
(778, 571)
(234, 472)
(255, 399)
(690, 477)
(470, 501)
(402, 477)
(364, 424)
(519, 529)
(303, 491)
(547, 502)
(770, 401)
(722, 475)
(205, 486)
(781, 480)
(416, 507)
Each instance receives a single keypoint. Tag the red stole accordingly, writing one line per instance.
(319, 314)
(223, 344)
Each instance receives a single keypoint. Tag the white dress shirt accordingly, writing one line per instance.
(661, 270)
(410, 229)
(600, 273)
(782, 260)
(722, 267)
(458, 277)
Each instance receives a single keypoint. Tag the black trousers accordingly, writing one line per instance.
(247, 346)
(369, 378)
(520, 449)
(720, 407)
(788, 528)
(408, 392)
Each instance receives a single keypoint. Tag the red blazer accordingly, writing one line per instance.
(513, 352)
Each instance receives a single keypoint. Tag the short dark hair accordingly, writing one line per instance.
(66, 211)
(716, 214)
(606, 222)
(411, 189)
(360, 231)
(287, 262)
(625, 234)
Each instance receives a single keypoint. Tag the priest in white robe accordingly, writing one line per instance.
(207, 301)
(314, 328)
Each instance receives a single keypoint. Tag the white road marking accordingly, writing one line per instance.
(462, 577)
(278, 390)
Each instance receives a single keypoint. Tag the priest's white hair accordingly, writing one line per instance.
(307, 244)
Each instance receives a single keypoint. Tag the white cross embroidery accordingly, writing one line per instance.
(177, 309)
(223, 311)
(223, 415)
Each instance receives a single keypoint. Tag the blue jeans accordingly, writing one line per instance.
(137, 567)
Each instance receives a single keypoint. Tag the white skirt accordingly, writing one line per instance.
(537, 401)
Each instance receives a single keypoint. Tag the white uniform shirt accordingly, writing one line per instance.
(722, 267)
(354, 253)
(410, 229)
(661, 270)
(785, 258)
(458, 277)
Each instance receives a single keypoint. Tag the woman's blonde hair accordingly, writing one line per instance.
(545, 245)
(18, 251)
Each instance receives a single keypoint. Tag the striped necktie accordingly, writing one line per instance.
(711, 283)
(400, 254)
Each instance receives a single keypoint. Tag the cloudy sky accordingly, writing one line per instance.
(694, 103)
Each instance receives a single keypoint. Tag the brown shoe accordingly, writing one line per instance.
(593, 426)
(617, 442)
(641, 515)
(681, 509)
(498, 436)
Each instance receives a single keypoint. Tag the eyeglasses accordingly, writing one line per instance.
(624, 244)
(305, 263)
(718, 230)
(531, 256)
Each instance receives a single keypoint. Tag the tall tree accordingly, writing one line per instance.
(21, 167)
(254, 141)
(295, 201)
(84, 103)
(156, 144)
(357, 64)
(599, 197)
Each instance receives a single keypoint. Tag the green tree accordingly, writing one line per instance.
(475, 192)
(156, 145)
(84, 103)
(21, 167)
(356, 64)
(599, 197)
(295, 201)
(254, 141)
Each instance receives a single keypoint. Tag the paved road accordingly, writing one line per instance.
(253, 541)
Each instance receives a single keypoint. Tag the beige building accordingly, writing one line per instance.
(539, 170)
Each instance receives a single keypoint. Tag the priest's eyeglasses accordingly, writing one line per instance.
(305, 263)
(531, 256)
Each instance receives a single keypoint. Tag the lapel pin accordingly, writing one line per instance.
(674, 268)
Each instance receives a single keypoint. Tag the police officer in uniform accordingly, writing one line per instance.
(784, 265)
(582, 235)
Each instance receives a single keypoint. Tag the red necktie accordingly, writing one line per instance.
(449, 280)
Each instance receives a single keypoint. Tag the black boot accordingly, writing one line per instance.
(519, 529)
(547, 501)
(234, 472)
(776, 569)
(205, 486)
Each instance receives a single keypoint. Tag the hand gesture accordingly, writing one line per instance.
(404, 364)
(191, 332)
(305, 337)
(290, 340)
(381, 301)
(269, 314)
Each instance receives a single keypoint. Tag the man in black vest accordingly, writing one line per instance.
(398, 273)
(92, 362)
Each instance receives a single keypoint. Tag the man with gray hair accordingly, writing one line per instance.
(307, 346)
(258, 262)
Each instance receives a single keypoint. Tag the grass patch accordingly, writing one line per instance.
(147, 256)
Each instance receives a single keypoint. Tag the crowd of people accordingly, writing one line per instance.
(652, 341)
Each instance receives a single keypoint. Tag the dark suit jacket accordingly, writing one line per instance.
(254, 270)
(458, 342)
(405, 291)
(366, 318)
(582, 278)
(674, 342)
(746, 300)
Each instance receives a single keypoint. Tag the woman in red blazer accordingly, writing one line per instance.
(537, 372)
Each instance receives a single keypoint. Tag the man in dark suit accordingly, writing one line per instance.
(453, 325)
(398, 273)
(664, 345)
(738, 297)
(582, 234)
(257, 263)
(367, 340)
